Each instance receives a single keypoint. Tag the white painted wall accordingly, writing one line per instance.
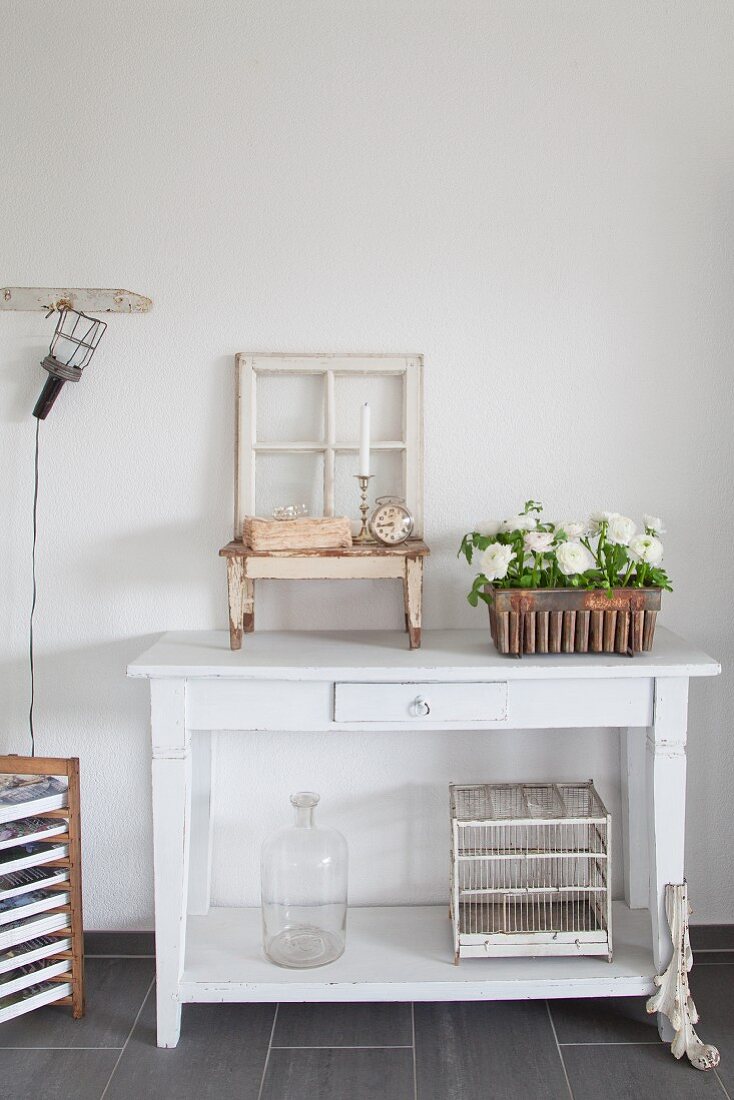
(537, 196)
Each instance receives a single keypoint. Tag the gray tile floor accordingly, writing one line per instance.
(522, 1050)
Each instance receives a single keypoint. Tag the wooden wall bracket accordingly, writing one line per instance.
(49, 299)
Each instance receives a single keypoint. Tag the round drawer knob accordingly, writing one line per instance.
(420, 707)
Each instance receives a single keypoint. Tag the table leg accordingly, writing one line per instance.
(249, 606)
(413, 599)
(200, 854)
(633, 765)
(666, 791)
(666, 809)
(236, 593)
(171, 831)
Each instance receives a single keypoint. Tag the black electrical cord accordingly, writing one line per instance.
(33, 602)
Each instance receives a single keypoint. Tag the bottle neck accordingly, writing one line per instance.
(304, 817)
(304, 803)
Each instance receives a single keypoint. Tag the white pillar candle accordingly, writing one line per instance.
(364, 441)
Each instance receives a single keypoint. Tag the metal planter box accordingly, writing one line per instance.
(573, 620)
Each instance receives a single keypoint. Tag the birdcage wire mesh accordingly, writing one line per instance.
(530, 870)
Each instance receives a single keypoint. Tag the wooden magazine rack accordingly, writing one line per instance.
(55, 953)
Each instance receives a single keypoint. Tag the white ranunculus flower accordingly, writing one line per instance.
(574, 558)
(519, 523)
(489, 528)
(653, 524)
(573, 529)
(537, 542)
(621, 529)
(496, 561)
(597, 518)
(647, 548)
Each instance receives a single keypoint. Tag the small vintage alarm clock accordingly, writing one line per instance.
(391, 522)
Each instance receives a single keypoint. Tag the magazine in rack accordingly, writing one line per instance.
(31, 855)
(21, 795)
(31, 878)
(15, 981)
(27, 829)
(33, 996)
(42, 947)
(28, 905)
(18, 931)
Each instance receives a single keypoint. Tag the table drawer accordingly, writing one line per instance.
(258, 705)
(427, 702)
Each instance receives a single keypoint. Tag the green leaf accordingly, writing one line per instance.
(467, 550)
(477, 587)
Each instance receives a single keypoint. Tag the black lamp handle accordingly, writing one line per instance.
(49, 393)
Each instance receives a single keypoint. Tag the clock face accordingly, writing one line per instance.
(391, 523)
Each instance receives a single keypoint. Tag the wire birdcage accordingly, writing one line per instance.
(530, 870)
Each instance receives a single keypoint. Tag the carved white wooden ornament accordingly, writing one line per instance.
(673, 997)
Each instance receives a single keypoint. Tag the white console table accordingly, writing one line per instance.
(367, 680)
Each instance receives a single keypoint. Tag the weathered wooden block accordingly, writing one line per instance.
(304, 533)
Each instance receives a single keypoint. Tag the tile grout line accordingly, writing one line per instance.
(415, 1068)
(269, 1050)
(560, 1052)
(616, 1043)
(342, 1046)
(132, 1029)
(723, 1086)
(90, 955)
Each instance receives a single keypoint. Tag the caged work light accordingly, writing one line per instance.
(73, 344)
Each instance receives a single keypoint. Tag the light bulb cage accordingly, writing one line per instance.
(73, 344)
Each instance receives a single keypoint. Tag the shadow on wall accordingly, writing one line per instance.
(22, 376)
(86, 707)
(182, 554)
(185, 489)
(86, 688)
(402, 828)
(169, 555)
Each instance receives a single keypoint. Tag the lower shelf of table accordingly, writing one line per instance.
(404, 953)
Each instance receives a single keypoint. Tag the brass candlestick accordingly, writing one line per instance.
(364, 480)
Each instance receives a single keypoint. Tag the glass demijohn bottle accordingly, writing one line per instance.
(304, 890)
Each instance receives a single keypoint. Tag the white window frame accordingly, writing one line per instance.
(249, 366)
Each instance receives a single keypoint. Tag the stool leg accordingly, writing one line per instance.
(413, 599)
(236, 582)
(249, 606)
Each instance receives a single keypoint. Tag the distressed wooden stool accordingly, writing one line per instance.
(359, 562)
